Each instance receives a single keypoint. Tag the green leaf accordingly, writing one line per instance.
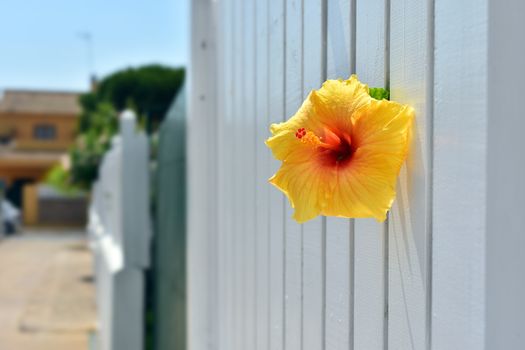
(379, 93)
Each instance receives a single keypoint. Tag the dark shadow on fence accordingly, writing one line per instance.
(166, 317)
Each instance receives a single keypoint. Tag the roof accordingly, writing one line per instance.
(28, 101)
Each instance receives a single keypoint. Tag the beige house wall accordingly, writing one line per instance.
(22, 125)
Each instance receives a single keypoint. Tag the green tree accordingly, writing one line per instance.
(148, 90)
(91, 144)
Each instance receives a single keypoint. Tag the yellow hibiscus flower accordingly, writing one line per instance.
(341, 152)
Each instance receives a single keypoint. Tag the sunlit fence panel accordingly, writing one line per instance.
(424, 279)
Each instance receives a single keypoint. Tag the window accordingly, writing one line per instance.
(7, 134)
(44, 132)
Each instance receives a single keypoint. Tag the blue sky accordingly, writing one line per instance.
(40, 45)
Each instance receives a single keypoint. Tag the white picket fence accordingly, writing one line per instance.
(446, 271)
(119, 229)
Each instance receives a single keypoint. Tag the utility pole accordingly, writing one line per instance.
(88, 40)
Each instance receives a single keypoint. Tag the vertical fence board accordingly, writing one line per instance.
(210, 45)
(221, 238)
(230, 205)
(224, 203)
(340, 58)
(201, 114)
(505, 307)
(369, 307)
(459, 175)
(293, 231)
(169, 244)
(212, 221)
(237, 172)
(263, 172)
(221, 210)
(409, 234)
(119, 228)
(339, 236)
(276, 114)
(312, 243)
(248, 171)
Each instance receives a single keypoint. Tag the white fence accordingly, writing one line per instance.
(446, 271)
(119, 228)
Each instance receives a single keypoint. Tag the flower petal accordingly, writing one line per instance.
(283, 140)
(337, 100)
(383, 129)
(366, 188)
(362, 193)
(307, 186)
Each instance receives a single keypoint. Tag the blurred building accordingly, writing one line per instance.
(36, 129)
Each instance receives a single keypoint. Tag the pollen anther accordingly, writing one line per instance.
(300, 133)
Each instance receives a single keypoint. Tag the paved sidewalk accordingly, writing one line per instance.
(46, 292)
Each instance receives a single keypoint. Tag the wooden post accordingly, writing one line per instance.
(30, 210)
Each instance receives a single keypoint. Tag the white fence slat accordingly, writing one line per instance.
(340, 38)
(339, 236)
(312, 237)
(313, 285)
(238, 177)
(249, 165)
(505, 306)
(136, 228)
(212, 215)
(409, 235)
(228, 204)
(119, 229)
(232, 134)
(459, 175)
(212, 151)
(369, 272)
(339, 240)
(201, 187)
(276, 114)
(293, 230)
(263, 173)
(223, 203)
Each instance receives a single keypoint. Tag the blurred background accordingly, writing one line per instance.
(135, 212)
(67, 71)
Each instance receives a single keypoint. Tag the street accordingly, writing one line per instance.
(46, 291)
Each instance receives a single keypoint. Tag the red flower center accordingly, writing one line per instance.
(336, 148)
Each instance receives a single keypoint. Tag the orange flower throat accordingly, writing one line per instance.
(335, 149)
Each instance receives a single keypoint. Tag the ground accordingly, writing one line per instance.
(46, 291)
